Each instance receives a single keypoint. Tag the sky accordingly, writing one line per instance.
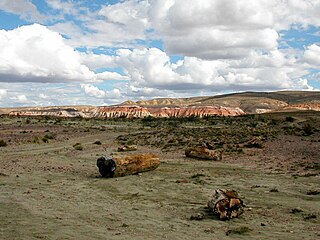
(104, 52)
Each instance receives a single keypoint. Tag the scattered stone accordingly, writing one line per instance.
(263, 224)
(127, 148)
(118, 166)
(226, 204)
(203, 153)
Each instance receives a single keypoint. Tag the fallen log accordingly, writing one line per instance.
(203, 153)
(119, 166)
(226, 204)
(127, 148)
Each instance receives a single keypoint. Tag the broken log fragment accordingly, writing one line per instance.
(203, 153)
(226, 204)
(127, 148)
(119, 166)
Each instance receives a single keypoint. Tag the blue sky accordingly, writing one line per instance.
(64, 52)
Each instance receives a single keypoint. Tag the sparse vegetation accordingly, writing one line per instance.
(289, 119)
(78, 146)
(59, 178)
(239, 230)
(307, 128)
(36, 139)
(3, 143)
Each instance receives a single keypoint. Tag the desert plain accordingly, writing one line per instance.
(50, 187)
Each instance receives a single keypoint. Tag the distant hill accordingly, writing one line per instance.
(226, 105)
(250, 102)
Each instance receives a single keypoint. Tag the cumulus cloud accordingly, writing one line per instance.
(227, 29)
(34, 53)
(152, 68)
(214, 29)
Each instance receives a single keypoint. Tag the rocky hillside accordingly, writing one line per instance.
(131, 112)
(226, 105)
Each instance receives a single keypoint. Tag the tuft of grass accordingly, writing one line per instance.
(289, 119)
(3, 143)
(307, 129)
(36, 140)
(47, 137)
(97, 143)
(239, 230)
(78, 146)
(197, 175)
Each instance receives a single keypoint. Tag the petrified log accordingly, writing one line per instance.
(226, 204)
(203, 153)
(119, 166)
(127, 148)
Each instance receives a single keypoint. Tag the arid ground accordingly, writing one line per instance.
(50, 187)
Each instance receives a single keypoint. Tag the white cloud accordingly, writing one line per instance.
(43, 96)
(66, 7)
(151, 68)
(21, 99)
(96, 61)
(110, 76)
(227, 29)
(24, 8)
(295, 12)
(3, 94)
(131, 14)
(312, 55)
(36, 54)
(214, 29)
(93, 91)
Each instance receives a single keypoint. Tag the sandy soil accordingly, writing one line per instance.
(53, 191)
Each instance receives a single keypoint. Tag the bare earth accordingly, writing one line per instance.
(50, 190)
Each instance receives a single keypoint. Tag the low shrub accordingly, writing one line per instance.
(3, 143)
(78, 146)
